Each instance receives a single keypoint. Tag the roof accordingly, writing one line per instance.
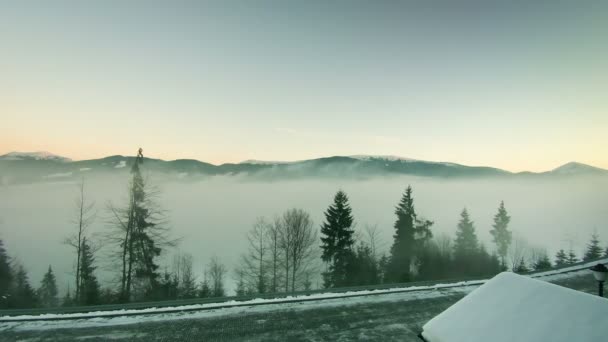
(511, 307)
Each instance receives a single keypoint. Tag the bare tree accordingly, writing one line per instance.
(273, 234)
(254, 262)
(217, 272)
(519, 251)
(184, 276)
(298, 240)
(374, 240)
(84, 218)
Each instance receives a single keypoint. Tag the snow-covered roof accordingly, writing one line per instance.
(511, 307)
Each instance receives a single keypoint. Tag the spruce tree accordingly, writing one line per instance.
(410, 235)
(466, 239)
(561, 258)
(594, 251)
(500, 233)
(521, 267)
(543, 263)
(23, 295)
(140, 236)
(67, 300)
(6, 277)
(606, 253)
(572, 259)
(466, 246)
(47, 293)
(337, 241)
(89, 287)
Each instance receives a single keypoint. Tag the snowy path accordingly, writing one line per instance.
(261, 306)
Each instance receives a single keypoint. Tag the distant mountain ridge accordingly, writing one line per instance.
(23, 167)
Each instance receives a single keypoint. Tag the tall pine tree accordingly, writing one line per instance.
(466, 245)
(561, 258)
(338, 241)
(572, 259)
(23, 295)
(500, 232)
(594, 251)
(410, 235)
(89, 286)
(47, 293)
(6, 277)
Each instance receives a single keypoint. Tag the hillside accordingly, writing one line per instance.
(42, 166)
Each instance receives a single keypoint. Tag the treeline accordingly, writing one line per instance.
(284, 254)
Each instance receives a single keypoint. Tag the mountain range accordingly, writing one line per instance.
(27, 167)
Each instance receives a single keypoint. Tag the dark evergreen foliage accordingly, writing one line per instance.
(47, 293)
(363, 268)
(338, 241)
(572, 259)
(23, 295)
(561, 258)
(89, 287)
(521, 267)
(594, 251)
(409, 238)
(543, 263)
(500, 232)
(6, 277)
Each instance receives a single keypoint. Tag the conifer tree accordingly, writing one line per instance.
(205, 291)
(572, 259)
(23, 295)
(561, 258)
(594, 251)
(89, 287)
(521, 267)
(466, 245)
(6, 277)
(338, 241)
(410, 235)
(500, 232)
(606, 253)
(47, 293)
(543, 263)
(466, 239)
(67, 300)
(141, 236)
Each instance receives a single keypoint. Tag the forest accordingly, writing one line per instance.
(285, 253)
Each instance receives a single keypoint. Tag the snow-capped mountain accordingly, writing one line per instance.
(40, 155)
(17, 167)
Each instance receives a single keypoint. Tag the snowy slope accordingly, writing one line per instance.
(512, 307)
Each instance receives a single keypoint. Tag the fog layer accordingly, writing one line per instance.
(213, 215)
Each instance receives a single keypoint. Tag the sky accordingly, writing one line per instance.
(519, 86)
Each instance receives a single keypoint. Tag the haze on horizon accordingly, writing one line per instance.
(518, 87)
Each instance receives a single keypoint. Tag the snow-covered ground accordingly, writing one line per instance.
(512, 307)
(122, 317)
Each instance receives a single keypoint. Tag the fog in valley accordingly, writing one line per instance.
(213, 215)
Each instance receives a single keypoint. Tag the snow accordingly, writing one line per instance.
(158, 315)
(264, 162)
(512, 307)
(328, 299)
(121, 164)
(41, 155)
(59, 175)
(233, 303)
(366, 157)
(85, 169)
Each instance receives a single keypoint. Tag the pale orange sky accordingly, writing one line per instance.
(519, 88)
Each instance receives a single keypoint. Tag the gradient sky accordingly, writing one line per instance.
(516, 86)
